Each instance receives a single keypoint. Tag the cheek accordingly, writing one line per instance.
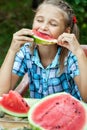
(35, 25)
(57, 32)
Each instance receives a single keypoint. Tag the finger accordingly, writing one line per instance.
(64, 44)
(24, 38)
(24, 32)
(68, 35)
(67, 40)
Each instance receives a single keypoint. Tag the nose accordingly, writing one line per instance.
(44, 26)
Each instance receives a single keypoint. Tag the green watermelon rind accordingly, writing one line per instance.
(35, 126)
(29, 101)
(39, 40)
(2, 108)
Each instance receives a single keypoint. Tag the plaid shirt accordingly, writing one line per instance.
(46, 81)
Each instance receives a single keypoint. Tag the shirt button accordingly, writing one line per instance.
(45, 80)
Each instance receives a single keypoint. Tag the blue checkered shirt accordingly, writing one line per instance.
(46, 81)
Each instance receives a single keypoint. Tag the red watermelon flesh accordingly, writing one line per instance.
(14, 104)
(42, 35)
(58, 112)
(43, 38)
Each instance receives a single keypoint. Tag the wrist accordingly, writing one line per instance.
(12, 52)
(80, 53)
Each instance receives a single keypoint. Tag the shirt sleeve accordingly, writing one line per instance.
(73, 68)
(19, 66)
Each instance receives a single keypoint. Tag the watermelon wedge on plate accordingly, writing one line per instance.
(42, 38)
(58, 112)
(14, 104)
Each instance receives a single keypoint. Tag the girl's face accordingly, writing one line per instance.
(49, 20)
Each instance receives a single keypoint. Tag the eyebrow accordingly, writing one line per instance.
(53, 19)
(38, 16)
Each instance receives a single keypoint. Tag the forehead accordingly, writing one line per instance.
(50, 11)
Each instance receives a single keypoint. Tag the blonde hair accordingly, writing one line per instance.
(65, 8)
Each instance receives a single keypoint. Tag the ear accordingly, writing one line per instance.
(68, 30)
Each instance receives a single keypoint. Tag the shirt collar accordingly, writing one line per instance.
(55, 62)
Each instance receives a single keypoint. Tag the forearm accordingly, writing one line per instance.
(7, 80)
(6, 73)
(82, 61)
(23, 85)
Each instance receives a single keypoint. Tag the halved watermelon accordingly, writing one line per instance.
(41, 38)
(14, 104)
(58, 112)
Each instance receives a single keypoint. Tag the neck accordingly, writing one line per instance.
(47, 53)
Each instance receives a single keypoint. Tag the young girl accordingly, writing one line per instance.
(51, 68)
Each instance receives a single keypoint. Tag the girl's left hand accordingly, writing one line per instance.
(69, 41)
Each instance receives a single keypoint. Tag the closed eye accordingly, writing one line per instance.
(53, 23)
(39, 19)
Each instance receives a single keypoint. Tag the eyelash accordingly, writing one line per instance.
(53, 24)
(40, 20)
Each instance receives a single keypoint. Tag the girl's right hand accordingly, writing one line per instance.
(20, 38)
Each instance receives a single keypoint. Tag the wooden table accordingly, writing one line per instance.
(9, 123)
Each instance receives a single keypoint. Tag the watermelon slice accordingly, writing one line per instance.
(58, 112)
(14, 104)
(42, 38)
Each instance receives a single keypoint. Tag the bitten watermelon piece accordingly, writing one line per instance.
(58, 112)
(42, 38)
(14, 104)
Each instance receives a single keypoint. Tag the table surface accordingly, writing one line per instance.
(13, 125)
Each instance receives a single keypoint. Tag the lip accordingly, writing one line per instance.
(45, 33)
